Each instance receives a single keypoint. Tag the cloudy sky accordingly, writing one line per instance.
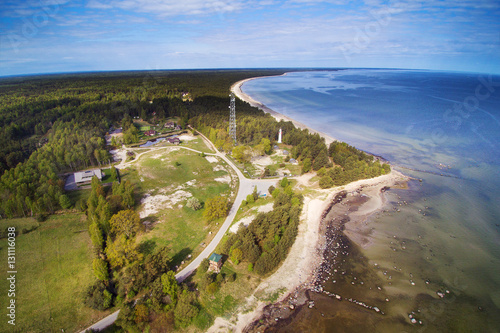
(46, 36)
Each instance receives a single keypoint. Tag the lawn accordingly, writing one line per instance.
(229, 297)
(198, 144)
(53, 264)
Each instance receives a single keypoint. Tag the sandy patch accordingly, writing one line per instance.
(226, 179)
(219, 168)
(262, 161)
(186, 137)
(212, 159)
(153, 203)
(248, 219)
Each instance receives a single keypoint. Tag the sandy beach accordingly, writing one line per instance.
(299, 272)
(236, 89)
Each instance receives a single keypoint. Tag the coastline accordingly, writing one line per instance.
(307, 256)
(236, 89)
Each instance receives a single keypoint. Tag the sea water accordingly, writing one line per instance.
(438, 241)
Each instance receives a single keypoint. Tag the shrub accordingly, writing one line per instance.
(193, 203)
(98, 297)
(250, 199)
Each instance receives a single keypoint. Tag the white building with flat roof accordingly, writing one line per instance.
(85, 177)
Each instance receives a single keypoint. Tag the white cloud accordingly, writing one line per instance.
(172, 7)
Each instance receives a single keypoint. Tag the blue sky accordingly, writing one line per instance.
(46, 36)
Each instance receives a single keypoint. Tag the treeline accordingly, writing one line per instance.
(264, 244)
(128, 275)
(351, 165)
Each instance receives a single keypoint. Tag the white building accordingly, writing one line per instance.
(85, 177)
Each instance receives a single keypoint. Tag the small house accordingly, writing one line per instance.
(85, 177)
(174, 141)
(150, 133)
(178, 128)
(215, 261)
(170, 125)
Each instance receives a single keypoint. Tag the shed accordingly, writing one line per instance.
(215, 261)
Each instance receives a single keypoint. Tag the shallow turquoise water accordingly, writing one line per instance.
(438, 123)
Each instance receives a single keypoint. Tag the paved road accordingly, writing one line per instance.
(246, 187)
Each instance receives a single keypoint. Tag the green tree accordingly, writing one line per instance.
(284, 182)
(186, 309)
(321, 160)
(100, 269)
(215, 208)
(267, 145)
(236, 256)
(241, 154)
(325, 182)
(64, 201)
(122, 251)
(125, 222)
(250, 199)
(170, 286)
(96, 237)
(114, 174)
(255, 194)
(306, 165)
(141, 313)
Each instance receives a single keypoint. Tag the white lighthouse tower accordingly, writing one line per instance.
(279, 136)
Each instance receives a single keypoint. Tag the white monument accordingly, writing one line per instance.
(279, 136)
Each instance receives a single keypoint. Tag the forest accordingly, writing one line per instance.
(54, 125)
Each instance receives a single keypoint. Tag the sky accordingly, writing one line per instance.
(52, 36)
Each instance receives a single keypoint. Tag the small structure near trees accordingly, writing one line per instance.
(85, 177)
(215, 261)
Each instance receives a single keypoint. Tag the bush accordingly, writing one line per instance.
(212, 288)
(271, 189)
(231, 277)
(193, 203)
(250, 267)
(284, 182)
(98, 297)
(250, 199)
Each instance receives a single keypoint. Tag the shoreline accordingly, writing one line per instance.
(236, 89)
(307, 256)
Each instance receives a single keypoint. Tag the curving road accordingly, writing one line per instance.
(246, 187)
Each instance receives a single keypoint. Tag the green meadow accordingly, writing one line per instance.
(54, 267)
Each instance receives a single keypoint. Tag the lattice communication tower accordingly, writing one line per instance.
(232, 118)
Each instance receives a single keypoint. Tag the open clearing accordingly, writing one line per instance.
(165, 179)
(54, 267)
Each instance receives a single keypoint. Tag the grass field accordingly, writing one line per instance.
(54, 267)
(181, 228)
(198, 144)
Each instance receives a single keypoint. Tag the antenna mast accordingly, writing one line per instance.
(232, 118)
